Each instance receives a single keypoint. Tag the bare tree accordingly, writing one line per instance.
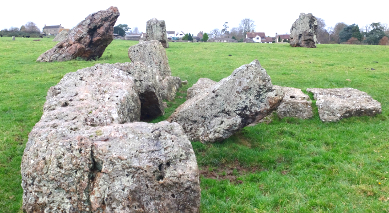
(13, 29)
(247, 25)
(215, 33)
(136, 30)
(31, 27)
(237, 33)
(337, 29)
(225, 28)
(322, 33)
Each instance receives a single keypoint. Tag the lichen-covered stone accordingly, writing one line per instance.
(294, 104)
(152, 54)
(85, 156)
(244, 97)
(156, 30)
(87, 40)
(303, 32)
(339, 103)
(201, 85)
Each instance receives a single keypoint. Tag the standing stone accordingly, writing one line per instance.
(13, 38)
(87, 40)
(61, 36)
(294, 104)
(303, 32)
(154, 55)
(84, 155)
(156, 30)
(339, 103)
(244, 97)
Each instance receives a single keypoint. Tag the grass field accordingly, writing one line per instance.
(287, 165)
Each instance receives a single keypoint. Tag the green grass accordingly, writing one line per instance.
(288, 165)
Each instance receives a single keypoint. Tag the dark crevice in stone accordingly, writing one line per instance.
(150, 107)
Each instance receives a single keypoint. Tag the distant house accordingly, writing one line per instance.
(268, 40)
(134, 37)
(282, 38)
(52, 30)
(170, 34)
(180, 34)
(256, 36)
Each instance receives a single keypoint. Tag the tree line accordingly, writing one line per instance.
(29, 29)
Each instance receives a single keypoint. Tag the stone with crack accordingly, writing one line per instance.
(84, 155)
(244, 97)
(336, 104)
(294, 104)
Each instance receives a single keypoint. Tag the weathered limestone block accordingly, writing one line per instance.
(153, 54)
(61, 36)
(85, 156)
(339, 103)
(303, 32)
(87, 40)
(294, 104)
(201, 85)
(244, 97)
(156, 30)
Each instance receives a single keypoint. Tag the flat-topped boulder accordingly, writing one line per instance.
(244, 97)
(339, 103)
(156, 30)
(294, 104)
(87, 40)
(86, 154)
(303, 32)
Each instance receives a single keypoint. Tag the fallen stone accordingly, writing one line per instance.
(87, 40)
(303, 32)
(244, 97)
(294, 104)
(200, 86)
(156, 30)
(339, 103)
(61, 36)
(84, 155)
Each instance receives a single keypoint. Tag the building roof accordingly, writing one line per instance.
(52, 27)
(254, 34)
(170, 32)
(285, 36)
(267, 39)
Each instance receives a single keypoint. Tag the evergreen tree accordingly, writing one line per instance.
(205, 37)
(376, 34)
(190, 37)
(350, 31)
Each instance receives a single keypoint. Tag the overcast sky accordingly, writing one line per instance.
(192, 16)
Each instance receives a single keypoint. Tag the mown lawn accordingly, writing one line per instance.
(287, 165)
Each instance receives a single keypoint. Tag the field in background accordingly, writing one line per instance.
(287, 165)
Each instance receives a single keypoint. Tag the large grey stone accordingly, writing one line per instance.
(156, 30)
(87, 40)
(303, 32)
(294, 104)
(244, 97)
(152, 54)
(85, 156)
(339, 103)
(61, 36)
(200, 86)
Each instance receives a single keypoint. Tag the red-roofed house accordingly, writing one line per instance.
(256, 36)
(282, 38)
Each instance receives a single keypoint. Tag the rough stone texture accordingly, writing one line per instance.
(148, 86)
(244, 97)
(84, 156)
(303, 32)
(200, 86)
(153, 55)
(294, 104)
(61, 36)
(339, 103)
(13, 38)
(87, 40)
(156, 30)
